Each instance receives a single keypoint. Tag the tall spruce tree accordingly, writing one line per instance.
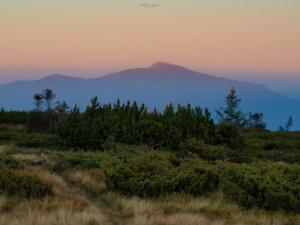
(231, 119)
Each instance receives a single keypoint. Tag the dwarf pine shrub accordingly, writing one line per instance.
(264, 185)
(10, 162)
(156, 173)
(19, 184)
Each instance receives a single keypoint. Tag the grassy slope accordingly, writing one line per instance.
(82, 198)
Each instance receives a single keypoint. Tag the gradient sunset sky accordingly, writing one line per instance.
(91, 38)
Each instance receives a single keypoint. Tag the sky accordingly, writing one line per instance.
(244, 39)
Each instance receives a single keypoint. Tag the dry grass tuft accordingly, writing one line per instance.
(31, 158)
(91, 180)
(3, 201)
(3, 148)
(64, 208)
(30, 216)
(185, 209)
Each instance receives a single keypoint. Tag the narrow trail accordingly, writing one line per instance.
(84, 195)
(81, 193)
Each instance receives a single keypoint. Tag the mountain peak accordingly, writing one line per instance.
(163, 67)
(58, 77)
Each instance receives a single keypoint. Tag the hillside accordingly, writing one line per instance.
(137, 185)
(155, 86)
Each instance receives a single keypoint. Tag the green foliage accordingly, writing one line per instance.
(204, 151)
(255, 120)
(273, 146)
(19, 184)
(156, 173)
(13, 117)
(270, 186)
(86, 160)
(287, 126)
(34, 140)
(42, 122)
(136, 170)
(230, 115)
(22, 138)
(10, 162)
(130, 124)
(231, 121)
(46, 121)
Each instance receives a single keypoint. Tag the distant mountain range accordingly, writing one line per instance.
(155, 86)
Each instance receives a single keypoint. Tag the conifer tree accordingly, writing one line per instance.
(39, 100)
(255, 120)
(49, 96)
(230, 118)
(61, 109)
(288, 124)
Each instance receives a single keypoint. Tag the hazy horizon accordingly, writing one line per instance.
(285, 85)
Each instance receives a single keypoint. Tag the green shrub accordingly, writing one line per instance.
(6, 135)
(156, 173)
(86, 160)
(130, 124)
(10, 162)
(270, 145)
(136, 170)
(13, 117)
(34, 140)
(206, 152)
(19, 184)
(42, 121)
(265, 185)
(22, 138)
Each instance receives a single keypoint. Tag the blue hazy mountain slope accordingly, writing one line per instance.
(155, 86)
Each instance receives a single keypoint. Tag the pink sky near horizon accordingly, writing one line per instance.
(93, 38)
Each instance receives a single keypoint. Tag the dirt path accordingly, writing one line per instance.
(81, 193)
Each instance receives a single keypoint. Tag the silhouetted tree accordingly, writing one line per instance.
(39, 100)
(49, 96)
(288, 124)
(43, 121)
(231, 120)
(255, 120)
(61, 109)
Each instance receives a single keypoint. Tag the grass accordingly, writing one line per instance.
(81, 197)
(185, 209)
(65, 208)
(97, 205)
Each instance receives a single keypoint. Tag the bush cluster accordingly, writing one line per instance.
(14, 182)
(130, 124)
(157, 173)
(24, 139)
(19, 184)
(268, 185)
(136, 170)
(13, 117)
(10, 162)
(274, 146)
(42, 121)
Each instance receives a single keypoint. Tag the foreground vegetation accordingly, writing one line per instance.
(127, 184)
(124, 165)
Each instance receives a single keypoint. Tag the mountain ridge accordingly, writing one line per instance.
(155, 86)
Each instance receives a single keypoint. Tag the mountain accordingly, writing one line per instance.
(155, 86)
